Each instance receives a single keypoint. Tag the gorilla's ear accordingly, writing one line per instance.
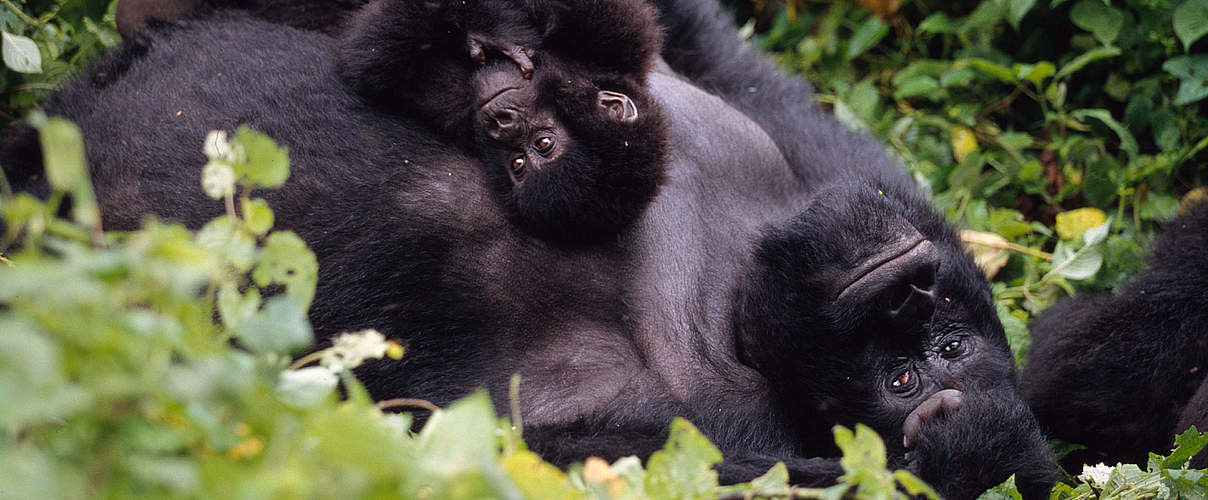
(900, 282)
(619, 107)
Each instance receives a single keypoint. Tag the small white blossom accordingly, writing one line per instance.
(1097, 475)
(217, 147)
(349, 350)
(306, 386)
(218, 180)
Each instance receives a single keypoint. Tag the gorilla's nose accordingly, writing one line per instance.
(912, 298)
(502, 123)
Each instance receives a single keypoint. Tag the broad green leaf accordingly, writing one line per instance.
(1074, 223)
(1017, 332)
(921, 85)
(285, 259)
(1190, 21)
(1017, 9)
(1015, 141)
(1193, 77)
(67, 168)
(223, 237)
(684, 467)
(20, 53)
(916, 487)
(1103, 21)
(1127, 142)
(1187, 445)
(1075, 265)
(267, 164)
(233, 307)
(281, 327)
(866, 36)
(537, 478)
(257, 215)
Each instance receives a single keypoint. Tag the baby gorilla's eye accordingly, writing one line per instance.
(544, 145)
(518, 166)
(901, 380)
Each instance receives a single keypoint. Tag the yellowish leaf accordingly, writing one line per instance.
(1071, 224)
(1191, 199)
(882, 8)
(963, 142)
(989, 250)
(537, 478)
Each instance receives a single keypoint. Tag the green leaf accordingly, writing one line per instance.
(20, 53)
(1159, 207)
(1005, 491)
(267, 164)
(281, 327)
(1187, 445)
(1190, 21)
(1193, 77)
(1035, 73)
(257, 215)
(938, 23)
(285, 259)
(866, 36)
(684, 467)
(1017, 9)
(235, 308)
(992, 69)
(921, 85)
(1075, 265)
(1101, 20)
(1127, 142)
(67, 168)
(916, 487)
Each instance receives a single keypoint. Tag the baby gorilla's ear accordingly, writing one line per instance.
(617, 106)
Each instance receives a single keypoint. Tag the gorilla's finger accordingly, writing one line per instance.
(946, 401)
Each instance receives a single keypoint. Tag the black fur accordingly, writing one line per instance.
(318, 15)
(410, 57)
(1123, 373)
(777, 285)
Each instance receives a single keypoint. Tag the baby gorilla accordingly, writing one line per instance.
(551, 93)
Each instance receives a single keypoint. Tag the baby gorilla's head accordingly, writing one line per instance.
(577, 152)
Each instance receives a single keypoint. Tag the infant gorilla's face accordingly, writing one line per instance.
(519, 118)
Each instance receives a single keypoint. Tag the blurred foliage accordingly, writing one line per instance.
(1060, 133)
(1028, 121)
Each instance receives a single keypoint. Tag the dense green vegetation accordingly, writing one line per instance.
(1059, 132)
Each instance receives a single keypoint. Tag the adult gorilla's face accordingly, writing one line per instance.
(905, 317)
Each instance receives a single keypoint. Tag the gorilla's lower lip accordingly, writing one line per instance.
(905, 248)
(492, 97)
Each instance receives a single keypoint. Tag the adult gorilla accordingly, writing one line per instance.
(787, 278)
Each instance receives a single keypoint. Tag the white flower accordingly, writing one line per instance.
(1097, 475)
(349, 350)
(305, 387)
(217, 147)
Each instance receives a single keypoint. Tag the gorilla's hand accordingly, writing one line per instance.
(965, 443)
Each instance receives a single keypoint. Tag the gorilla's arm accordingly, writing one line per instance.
(1114, 372)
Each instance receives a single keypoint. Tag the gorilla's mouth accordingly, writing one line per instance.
(884, 267)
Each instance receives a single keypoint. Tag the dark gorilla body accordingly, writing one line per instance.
(1122, 374)
(576, 148)
(781, 282)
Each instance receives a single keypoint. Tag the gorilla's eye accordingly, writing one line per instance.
(952, 349)
(518, 166)
(903, 383)
(544, 145)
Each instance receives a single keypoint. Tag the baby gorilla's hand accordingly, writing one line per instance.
(478, 45)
